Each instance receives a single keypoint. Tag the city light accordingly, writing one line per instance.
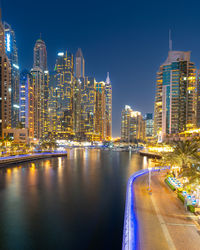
(61, 54)
(8, 42)
(15, 66)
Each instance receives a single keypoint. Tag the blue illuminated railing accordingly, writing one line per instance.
(130, 231)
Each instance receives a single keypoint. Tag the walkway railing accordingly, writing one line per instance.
(130, 232)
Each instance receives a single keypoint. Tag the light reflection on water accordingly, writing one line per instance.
(66, 203)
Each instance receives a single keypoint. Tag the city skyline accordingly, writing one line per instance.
(124, 39)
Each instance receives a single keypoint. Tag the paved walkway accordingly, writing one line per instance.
(163, 223)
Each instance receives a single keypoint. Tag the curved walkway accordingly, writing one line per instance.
(157, 221)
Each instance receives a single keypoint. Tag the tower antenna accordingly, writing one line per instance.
(170, 41)
(0, 10)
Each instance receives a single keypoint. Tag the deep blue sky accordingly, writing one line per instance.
(127, 38)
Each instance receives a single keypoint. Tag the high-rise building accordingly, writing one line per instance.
(38, 83)
(80, 64)
(12, 54)
(26, 111)
(5, 84)
(52, 105)
(149, 126)
(100, 111)
(108, 116)
(88, 102)
(45, 105)
(76, 107)
(175, 100)
(64, 78)
(132, 125)
(40, 55)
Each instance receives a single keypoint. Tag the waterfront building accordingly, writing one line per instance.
(12, 54)
(40, 55)
(64, 78)
(76, 107)
(88, 101)
(79, 107)
(52, 105)
(149, 126)
(26, 111)
(100, 111)
(18, 135)
(80, 64)
(198, 99)
(38, 83)
(5, 84)
(175, 100)
(44, 105)
(132, 125)
(108, 108)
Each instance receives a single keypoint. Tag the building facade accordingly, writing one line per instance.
(108, 110)
(26, 112)
(132, 125)
(40, 55)
(5, 85)
(149, 126)
(175, 100)
(80, 64)
(12, 54)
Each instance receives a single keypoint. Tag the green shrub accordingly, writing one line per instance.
(191, 208)
(170, 185)
(181, 197)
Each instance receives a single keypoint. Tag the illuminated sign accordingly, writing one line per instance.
(8, 42)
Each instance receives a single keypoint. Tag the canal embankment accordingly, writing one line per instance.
(4, 161)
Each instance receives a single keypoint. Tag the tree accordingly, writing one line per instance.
(185, 155)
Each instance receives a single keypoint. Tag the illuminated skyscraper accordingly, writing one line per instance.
(12, 54)
(38, 83)
(26, 112)
(108, 115)
(76, 107)
(149, 126)
(40, 55)
(80, 64)
(64, 78)
(132, 125)
(175, 100)
(88, 100)
(5, 84)
(100, 111)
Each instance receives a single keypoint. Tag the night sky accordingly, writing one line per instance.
(127, 38)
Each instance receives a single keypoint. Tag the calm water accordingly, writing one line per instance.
(66, 203)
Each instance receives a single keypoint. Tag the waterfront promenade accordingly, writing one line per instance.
(163, 222)
(29, 157)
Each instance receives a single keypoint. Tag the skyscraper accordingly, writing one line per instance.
(80, 64)
(5, 84)
(26, 112)
(64, 78)
(132, 125)
(100, 111)
(38, 83)
(108, 116)
(149, 126)
(12, 54)
(40, 55)
(175, 100)
(88, 105)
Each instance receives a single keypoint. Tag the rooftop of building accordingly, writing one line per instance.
(176, 56)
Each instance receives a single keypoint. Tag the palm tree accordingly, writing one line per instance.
(185, 155)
